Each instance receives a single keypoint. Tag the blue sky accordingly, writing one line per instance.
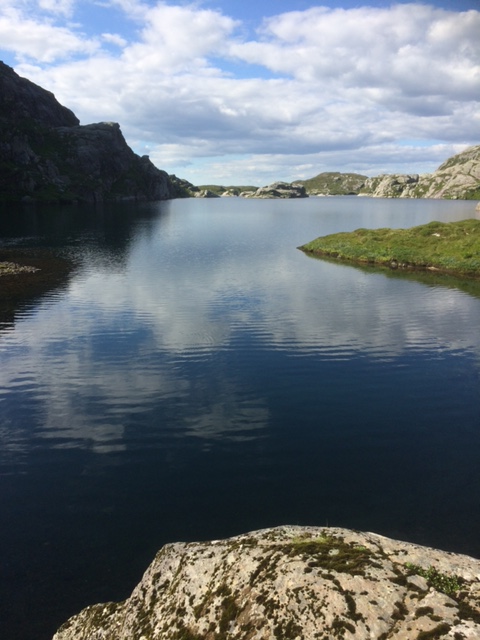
(249, 92)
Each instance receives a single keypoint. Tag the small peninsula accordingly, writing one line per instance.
(447, 247)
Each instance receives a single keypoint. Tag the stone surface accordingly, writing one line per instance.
(46, 155)
(457, 178)
(278, 190)
(293, 583)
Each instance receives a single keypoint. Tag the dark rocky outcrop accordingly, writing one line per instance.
(185, 189)
(293, 583)
(46, 155)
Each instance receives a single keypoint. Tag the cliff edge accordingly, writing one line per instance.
(293, 582)
(46, 155)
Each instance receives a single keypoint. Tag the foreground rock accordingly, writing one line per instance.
(46, 155)
(293, 582)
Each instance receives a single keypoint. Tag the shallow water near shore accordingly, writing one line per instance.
(196, 376)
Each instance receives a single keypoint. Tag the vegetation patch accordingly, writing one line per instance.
(448, 584)
(451, 247)
(439, 631)
(331, 553)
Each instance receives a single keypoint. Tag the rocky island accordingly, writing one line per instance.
(290, 583)
(448, 247)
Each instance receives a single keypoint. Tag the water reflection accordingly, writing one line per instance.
(198, 376)
(162, 331)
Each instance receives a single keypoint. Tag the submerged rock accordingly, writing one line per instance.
(293, 582)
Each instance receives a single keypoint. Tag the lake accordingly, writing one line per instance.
(197, 377)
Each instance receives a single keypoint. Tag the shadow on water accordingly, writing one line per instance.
(51, 238)
(21, 290)
(470, 286)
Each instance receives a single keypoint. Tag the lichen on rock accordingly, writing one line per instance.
(293, 582)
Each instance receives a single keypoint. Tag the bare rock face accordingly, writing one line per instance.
(392, 186)
(45, 155)
(293, 583)
(457, 178)
(279, 190)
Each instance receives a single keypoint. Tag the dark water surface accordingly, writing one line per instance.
(197, 376)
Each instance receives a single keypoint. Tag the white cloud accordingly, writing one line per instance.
(114, 38)
(188, 84)
(62, 7)
(40, 39)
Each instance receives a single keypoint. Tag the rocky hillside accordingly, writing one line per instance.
(457, 178)
(293, 583)
(278, 190)
(333, 183)
(46, 155)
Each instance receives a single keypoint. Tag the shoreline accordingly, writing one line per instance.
(441, 248)
(28, 273)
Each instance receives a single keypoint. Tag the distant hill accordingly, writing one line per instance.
(457, 178)
(46, 155)
(334, 183)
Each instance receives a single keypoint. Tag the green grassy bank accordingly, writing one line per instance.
(452, 247)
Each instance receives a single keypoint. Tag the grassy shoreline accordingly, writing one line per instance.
(447, 247)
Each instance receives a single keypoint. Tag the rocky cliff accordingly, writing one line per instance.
(457, 178)
(293, 583)
(46, 155)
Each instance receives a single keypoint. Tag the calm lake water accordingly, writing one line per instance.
(197, 377)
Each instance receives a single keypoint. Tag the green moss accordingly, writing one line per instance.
(288, 631)
(339, 627)
(266, 567)
(352, 607)
(423, 611)
(466, 611)
(452, 247)
(331, 554)
(186, 634)
(448, 584)
(439, 631)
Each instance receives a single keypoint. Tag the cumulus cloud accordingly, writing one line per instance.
(311, 82)
(41, 40)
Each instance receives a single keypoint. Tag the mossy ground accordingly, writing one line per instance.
(452, 247)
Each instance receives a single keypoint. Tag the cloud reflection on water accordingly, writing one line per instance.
(156, 343)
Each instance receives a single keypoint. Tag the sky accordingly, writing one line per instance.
(247, 92)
